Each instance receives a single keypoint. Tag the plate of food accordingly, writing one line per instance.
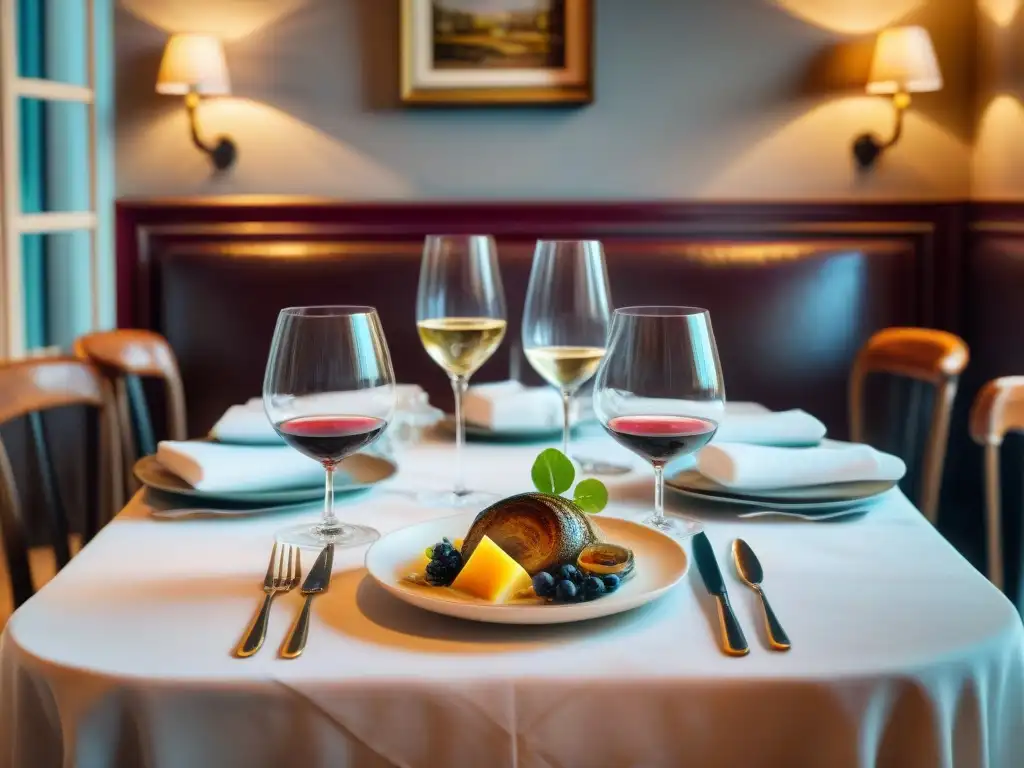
(532, 558)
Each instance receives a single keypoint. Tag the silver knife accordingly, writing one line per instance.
(733, 641)
(317, 580)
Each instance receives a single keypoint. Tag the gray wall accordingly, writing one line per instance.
(718, 99)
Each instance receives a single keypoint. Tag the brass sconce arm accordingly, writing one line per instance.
(868, 147)
(223, 152)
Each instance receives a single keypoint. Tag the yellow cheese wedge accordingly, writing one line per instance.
(491, 574)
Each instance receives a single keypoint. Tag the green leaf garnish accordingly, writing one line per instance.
(590, 495)
(553, 472)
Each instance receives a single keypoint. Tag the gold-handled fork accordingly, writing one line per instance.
(281, 577)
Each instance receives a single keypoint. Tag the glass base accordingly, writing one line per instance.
(310, 536)
(676, 527)
(461, 500)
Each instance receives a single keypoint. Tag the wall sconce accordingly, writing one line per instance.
(194, 66)
(904, 63)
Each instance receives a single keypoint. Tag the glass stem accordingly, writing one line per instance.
(459, 389)
(329, 524)
(566, 408)
(659, 491)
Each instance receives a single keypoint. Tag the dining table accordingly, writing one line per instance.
(902, 654)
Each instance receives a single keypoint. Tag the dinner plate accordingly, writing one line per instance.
(660, 563)
(355, 473)
(834, 496)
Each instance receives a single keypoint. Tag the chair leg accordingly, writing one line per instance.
(993, 508)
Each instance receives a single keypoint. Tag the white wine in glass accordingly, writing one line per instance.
(460, 316)
(565, 321)
(460, 345)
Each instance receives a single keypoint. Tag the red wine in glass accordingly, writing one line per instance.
(329, 439)
(660, 439)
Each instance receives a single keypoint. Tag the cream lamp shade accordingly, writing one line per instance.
(904, 62)
(193, 64)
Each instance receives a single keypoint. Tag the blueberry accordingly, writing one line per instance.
(568, 572)
(611, 582)
(544, 584)
(592, 587)
(565, 591)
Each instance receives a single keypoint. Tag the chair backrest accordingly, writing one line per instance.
(998, 409)
(28, 388)
(124, 357)
(922, 354)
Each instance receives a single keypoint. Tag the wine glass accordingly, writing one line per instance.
(565, 321)
(659, 392)
(460, 316)
(329, 391)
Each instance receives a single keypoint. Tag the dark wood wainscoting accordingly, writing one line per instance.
(993, 325)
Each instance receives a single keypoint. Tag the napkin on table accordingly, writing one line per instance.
(793, 427)
(510, 405)
(210, 466)
(248, 423)
(759, 467)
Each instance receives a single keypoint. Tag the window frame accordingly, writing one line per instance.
(13, 221)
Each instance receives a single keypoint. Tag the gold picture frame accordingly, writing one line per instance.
(526, 52)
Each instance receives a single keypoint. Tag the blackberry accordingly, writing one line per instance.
(444, 565)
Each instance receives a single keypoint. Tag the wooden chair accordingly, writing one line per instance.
(997, 410)
(124, 356)
(27, 388)
(922, 354)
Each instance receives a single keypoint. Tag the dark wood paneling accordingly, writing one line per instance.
(935, 230)
(993, 291)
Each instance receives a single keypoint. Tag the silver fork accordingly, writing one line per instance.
(281, 577)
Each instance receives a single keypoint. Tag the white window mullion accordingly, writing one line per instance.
(96, 290)
(50, 90)
(12, 314)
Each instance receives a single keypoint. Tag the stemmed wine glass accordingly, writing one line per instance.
(565, 321)
(329, 391)
(460, 315)
(659, 392)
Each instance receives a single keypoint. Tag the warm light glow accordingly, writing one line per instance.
(1002, 12)
(283, 155)
(998, 151)
(193, 64)
(904, 62)
(852, 17)
(228, 20)
(805, 153)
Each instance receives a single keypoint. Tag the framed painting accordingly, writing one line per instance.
(467, 52)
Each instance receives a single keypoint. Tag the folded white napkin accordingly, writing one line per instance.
(220, 467)
(760, 467)
(247, 424)
(791, 428)
(510, 405)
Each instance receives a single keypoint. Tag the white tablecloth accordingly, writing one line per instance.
(903, 655)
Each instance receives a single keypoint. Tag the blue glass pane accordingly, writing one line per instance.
(52, 40)
(54, 156)
(57, 278)
(33, 273)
